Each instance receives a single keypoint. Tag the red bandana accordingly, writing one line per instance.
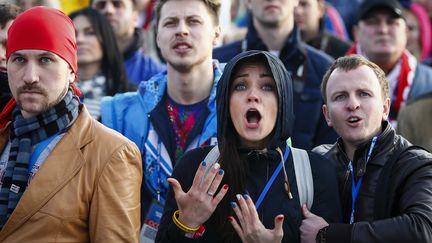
(42, 28)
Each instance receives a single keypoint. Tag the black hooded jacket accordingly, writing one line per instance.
(307, 66)
(260, 166)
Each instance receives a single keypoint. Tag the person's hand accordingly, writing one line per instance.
(198, 204)
(310, 226)
(249, 228)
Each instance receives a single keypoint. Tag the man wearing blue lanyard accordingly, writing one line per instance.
(385, 182)
(175, 110)
(64, 177)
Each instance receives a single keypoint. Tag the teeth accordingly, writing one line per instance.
(182, 46)
(353, 119)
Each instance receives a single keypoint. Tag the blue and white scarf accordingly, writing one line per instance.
(25, 133)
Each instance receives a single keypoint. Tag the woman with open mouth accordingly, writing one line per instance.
(246, 189)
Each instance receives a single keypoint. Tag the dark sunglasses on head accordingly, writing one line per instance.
(102, 4)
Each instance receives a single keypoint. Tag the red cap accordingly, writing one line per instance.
(44, 28)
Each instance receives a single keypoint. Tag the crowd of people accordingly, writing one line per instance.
(161, 121)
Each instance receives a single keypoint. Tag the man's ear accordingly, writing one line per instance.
(386, 109)
(71, 76)
(327, 115)
(217, 36)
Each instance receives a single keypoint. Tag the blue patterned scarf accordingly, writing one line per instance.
(25, 133)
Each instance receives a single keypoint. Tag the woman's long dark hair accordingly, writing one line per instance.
(231, 161)
(112, 60)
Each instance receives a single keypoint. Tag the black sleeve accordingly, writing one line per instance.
(184, 171)
(326, 203)
(412, 207)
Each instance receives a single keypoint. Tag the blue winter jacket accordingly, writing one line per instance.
(141, 67)
(141, 117)
(307, 67)
(138, 65)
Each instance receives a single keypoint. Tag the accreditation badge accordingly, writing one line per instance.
(151, 222)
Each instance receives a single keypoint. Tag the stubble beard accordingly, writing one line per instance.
(45, 106)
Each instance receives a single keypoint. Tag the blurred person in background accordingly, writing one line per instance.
(348, 10)
(309, 16)
(26, 4)
(145, 13)
(427, 4)
(419, 41)
(8, 12)
(100, 64)
(414, 121)
(123, 16)
(381, 36)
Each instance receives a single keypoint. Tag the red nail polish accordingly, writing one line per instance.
(230, 218)
(225, 186)
(280, 218)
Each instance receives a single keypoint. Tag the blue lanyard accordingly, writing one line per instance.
(272, 178)
(38, 150)
(158, 168)
(355, 187)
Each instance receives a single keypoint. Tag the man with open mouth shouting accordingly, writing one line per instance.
(385, 182)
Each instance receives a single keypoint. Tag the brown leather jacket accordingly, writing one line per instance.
(87, 190)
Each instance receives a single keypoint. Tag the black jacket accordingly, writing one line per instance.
(276, 201)
(410, 184)
(307, 67)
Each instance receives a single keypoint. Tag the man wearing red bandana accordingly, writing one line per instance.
(381, 36)
(63, 176)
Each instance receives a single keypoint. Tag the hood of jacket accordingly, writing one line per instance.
(285, 116)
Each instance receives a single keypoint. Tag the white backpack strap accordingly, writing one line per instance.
(304, 178)
(211, 158)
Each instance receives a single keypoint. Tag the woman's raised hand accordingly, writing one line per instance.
(198, 204)
(249, 228)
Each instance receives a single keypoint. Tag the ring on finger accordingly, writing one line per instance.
(211, 194)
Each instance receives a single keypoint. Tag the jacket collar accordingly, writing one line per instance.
(291, 46)
(383, 147)
(151, 92)
(60, 167)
